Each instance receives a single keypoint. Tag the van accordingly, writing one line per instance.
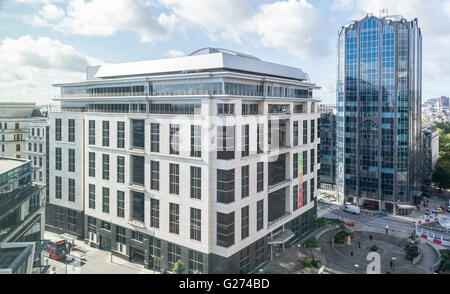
(352, 209)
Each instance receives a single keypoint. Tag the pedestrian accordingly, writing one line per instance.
(359, 244)
(351, 253)
(392, 265)
(370, 237)
(387, 229)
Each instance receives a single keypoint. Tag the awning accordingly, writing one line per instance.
(281, 238)
(406, 206)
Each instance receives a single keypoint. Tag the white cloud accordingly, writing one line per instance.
(29, 67)
(174, 53)
(51, 12)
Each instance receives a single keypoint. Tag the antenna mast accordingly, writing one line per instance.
(385, 11)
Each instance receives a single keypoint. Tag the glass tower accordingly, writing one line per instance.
(379, 96)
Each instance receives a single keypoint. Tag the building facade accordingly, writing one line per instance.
(22, 217)
(327, 128)
(430, 135)
(210, 158)
(379, 113)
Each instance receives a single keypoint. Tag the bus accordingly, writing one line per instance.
(57, 249)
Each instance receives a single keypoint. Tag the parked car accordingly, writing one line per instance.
(352, 209)
(448, 208)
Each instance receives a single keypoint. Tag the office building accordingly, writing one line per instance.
(379, 98)
(210, 158)
(430, 151)
(327, 131)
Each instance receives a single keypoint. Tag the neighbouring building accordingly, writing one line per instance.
(210, 158)
(327, 130)
(379, 98)
(431, 151)
(22, 218)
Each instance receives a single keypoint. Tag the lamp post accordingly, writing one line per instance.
(356, 268)
(393, 262)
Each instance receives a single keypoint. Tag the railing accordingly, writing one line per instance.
(278, 220)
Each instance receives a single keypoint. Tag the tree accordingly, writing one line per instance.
(441, 174)
(178, 268)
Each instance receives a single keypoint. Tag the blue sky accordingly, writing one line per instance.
(50, 41)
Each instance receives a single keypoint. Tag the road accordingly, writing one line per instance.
(400, 227)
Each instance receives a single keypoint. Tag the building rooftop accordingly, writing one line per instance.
(8, 163)
(202, 60)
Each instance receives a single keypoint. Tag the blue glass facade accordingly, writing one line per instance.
(378, 101)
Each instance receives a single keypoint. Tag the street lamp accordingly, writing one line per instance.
(393, 261)
(356, 268)
(260, 270)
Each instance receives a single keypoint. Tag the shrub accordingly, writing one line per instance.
(317, 264)
(412, 251)
(323, 221)
(311, 243)
(308, 261)
(374, 248)
(340, 236)
(178, 268)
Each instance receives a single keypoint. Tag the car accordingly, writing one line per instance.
(352, 209)
(448, 208)
(323, 200)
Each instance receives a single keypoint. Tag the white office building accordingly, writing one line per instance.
(209, 158)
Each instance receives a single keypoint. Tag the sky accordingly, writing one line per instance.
(43, 42)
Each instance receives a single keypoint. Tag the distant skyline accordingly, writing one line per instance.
(50, 41)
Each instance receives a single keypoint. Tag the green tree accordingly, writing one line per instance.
(179, 268)
(441, 174)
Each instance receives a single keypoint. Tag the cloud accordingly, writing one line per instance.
(29, 67)
(174, 53)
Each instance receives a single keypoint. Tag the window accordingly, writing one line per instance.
(259, 252)
(174, 187)
(245, 191)
(295, 198)
(305, 132)
(121, 236)
(295, 133)
(260, 177)
(174, 139)
(91, 196)
(173, 254)
(91, 164)
(105, 174)
(225, 186)
(225, 109)
(225, 229)
(40, 148)
(120, 204)
(138, 236)
(244, 222)
(137, 206)
(58, 187)
(196, 141)
(312, 130)
(71, 160)
(155, 251)
(311, 190)
(174, 218)
(18, 147)
(105, 225)
(105, 125)
(58, 129)
(17, 126)
(195, 261)
(71, 190)
(71, 220)
(92, 132)
(312, 160)
(244, 260)
(105, 206)
(304, 193)
(259, 215)
(305, 162)
(120, 134)
(260, 138)
(196, 224)
(138, 170)
(154, 137)
(154, 175)
(138, 133)
(225, 142)
(245, 141)
(71, 130)
(295, 166)
(120, 169)
(196, 182)
(58, 157)
(154, 213)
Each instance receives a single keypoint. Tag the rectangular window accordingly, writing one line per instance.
(225, 186)
(138, 170)
(295, 198)
(174, 139)
(138, 132)
(244, 260)
(92, 132)
(58, 129)
(105, 125)
(58, 159)
(260, 177)
(245, 140)
(154, 175)
(120, 204)
(58, 187)
(105, 198)
(91, 196)
(305, 162)
(195, 261)
(71, 130)
(295, 133)
(174, 218)
(245, 190)
(313, 131)
(225, 142)
(225, 229)
(121, 236)
(196, 224)
(196, 141)
(305, 190)
(154, 137)
(91, 164)
(225, 109)
(259, 215)
(305, 132)
(174, 187)
(71, 160)
(173, 254)
(196, 182)
(137, 236)
(120, 134)
(260, 138)
(154, 213)
(137, 206)
(311, 191)
(259, 252)
(71, 190)
(244, 222)
(295, 166)
(105, 174)
(312, 160)
(120, 169)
